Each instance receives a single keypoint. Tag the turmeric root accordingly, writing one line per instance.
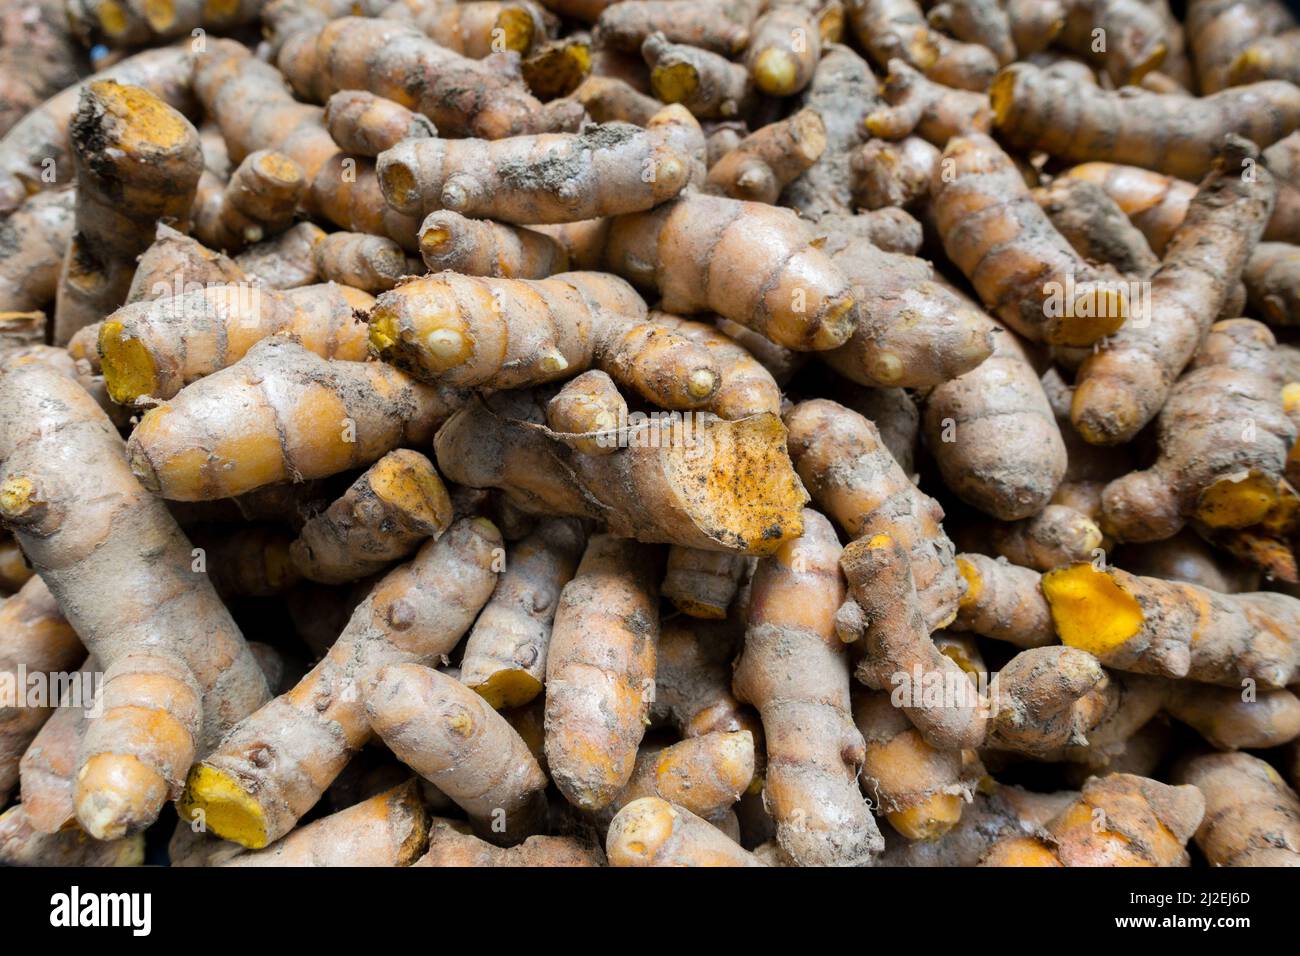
(125, 23)
(702, 583)
(982, 22)
(23, 845)
(36, 153)
(749, 262)
(35, 237)
(721, 27)
(745, 386)
(1223, 438)
(557, 68)
(37, 57)
(173, 265)
(454, 739)
(889, 174)
(557, 177)
(274, 766)
(1155, 203)
(705, 775)
(463, 97)
(707, 84)
(449, 242)
(513, 333)
(890, 29)
(1218, 30)
(249, 102)
(920, 790)
(600, 670)
(1120, 388)
(842, 93)
(450, 847)
(657, 486)
(653, 832)
(250, 561)
(994, 436)
(796, 673)
(785, 44)
(1189, 558)
(372, 264)
(1134, 33)
(767, 161)
(484, 27)
(48, 769)
(1272, 277)
(936, 113)
(1147, 625)
(505, 656)
(286, 262)
(36, 643)
(1096, 226)
(1022, 268)
(1045, 699)
(259, 201)
(897, 654)
(1232, 718)
(280, 413)
(853, 478)
(1003, 602)
(171, 688)
(1119, 820)
(388, 830)
(395, 504)
(1252, 818)
(137, 161)
(154, 349)
(610, 100)
(1178, 135)
(364, 124)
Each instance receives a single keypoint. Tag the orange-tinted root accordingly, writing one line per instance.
(600, 670)
(1119, 820)
(1004, 602)
(854, 479)
(896, 652)
(450, 847)
(453, 738)
(795, 671)
(656, 485)
(1173, 629)
(1121, 386)
(274, 766)
(653, 832)
(1252, 818)
(391, 829)
(513, 333)
(383, 517)
(281, 413)
(505, 657)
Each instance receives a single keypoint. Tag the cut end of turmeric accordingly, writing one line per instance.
(17, 496)
(1002, 96)
(1090, 610)
(1237, 501)
(974, 584)
(674, 83)
(224, 807)
(112, 18)
(517, 29)
(129, 372)
(508, 688)
(645, 826)
(146, 122)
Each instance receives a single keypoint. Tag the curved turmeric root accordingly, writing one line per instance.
(1173, 629)
(855, 480)
(1252, 818)
(171, 688)
(467, 331)
(454, 739)
(153, 349)
(1003, 602)
(449, 242)
(795, 671)
(1119, 820)
(653, 832)
(505, 656)
(600, 670)
(280, 413)
(274, 766)
(364, 124)
(449, 847)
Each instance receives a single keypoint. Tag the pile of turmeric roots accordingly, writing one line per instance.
(650, 433)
